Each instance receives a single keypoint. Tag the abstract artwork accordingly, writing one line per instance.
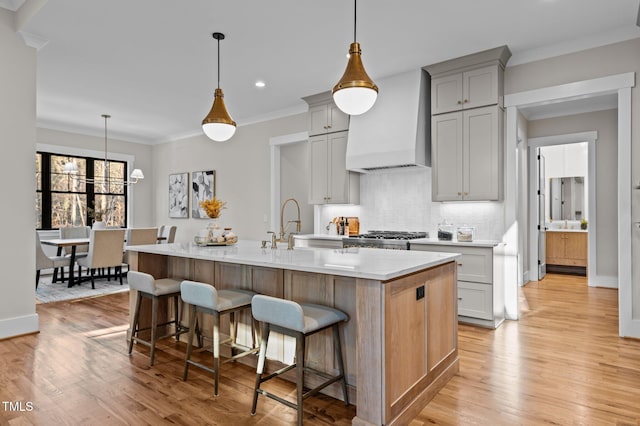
(179, 195)
(203, 187)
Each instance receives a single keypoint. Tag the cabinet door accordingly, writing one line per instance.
(338, 176)
(446, 154)
(480, 87)
(318, 163)
(475, 300)
(576, 248)
(555, 247)
(318, 120)
(337, 120)
(446, 94)
(482, 154)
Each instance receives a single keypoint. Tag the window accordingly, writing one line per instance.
(69, 200)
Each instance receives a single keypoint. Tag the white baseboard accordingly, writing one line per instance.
(525, 278)
(604, 281)
(17, 326)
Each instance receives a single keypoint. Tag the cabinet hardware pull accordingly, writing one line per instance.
(466, 100)
(328, 127)
(459, 193)
(459, 102)
(459, 298)
(459, 264)
(466, 193)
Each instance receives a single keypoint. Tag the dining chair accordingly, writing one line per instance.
(45, 262)
(160, 231)
(169, 234)
(139, 237)
(105, 251)
(81, 251)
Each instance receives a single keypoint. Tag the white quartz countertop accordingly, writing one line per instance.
(319, 237)
(565, 230)
(368, 263)
(475, 243)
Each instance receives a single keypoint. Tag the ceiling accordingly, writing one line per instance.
(151, 64)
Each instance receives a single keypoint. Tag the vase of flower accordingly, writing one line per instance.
(213, 208)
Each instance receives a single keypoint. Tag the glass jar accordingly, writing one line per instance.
(445, 231)
(465, 233)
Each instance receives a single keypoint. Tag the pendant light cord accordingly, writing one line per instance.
(355, 12)
(218, 63)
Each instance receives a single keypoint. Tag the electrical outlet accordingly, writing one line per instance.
(420, 292)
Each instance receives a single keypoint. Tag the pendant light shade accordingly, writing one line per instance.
(355, 93)
(218, 124)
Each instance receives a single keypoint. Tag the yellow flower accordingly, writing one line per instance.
(213, 206)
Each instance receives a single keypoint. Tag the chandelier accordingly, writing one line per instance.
(71, 168)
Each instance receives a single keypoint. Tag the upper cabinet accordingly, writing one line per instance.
(329, 180)
(467, 127)
(327, 118)
(465, 90)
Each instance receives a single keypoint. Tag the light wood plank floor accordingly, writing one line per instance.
(562, 363)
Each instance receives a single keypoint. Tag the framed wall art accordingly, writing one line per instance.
(179, 195)
(203, 187)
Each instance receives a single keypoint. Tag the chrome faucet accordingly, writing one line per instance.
(297, 221)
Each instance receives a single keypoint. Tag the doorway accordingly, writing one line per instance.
(516, 218)
(552, 160)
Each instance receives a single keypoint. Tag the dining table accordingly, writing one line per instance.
(73, 243)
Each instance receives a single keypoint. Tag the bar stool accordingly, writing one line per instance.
(205, 298)
(150, 288)
(299, 321)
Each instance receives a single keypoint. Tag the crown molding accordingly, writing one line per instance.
(11, 5)
(32, 40)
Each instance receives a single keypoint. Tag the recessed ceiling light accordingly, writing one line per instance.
(260, 83)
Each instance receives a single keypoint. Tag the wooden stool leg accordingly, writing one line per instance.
(338, 347)
(154, 326)
(216, 351)
(264, 338)
(300, 374)
(134, 327)
(192, 328)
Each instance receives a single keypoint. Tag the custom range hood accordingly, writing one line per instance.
(395, 132)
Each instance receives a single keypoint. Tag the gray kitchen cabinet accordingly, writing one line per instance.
(480, 288)
(464, 90)
(329, 180)
(467, 155)
(467, 126)
(327, 118)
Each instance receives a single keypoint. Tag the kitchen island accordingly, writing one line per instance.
(400, 345)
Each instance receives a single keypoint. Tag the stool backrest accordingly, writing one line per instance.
(141, 281)
(199, 294)
(285, 313)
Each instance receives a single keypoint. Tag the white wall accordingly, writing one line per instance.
(17, 135)
(606, 124)
(141, 214)
(242, 167)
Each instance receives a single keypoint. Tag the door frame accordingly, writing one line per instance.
(274, 147)
(590, 138)
(620, 84)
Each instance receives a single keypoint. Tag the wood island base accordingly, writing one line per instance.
(400, 345)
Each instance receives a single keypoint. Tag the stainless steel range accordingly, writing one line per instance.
(395, 240)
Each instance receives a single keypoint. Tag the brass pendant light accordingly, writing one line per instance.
(218, 124)
(355, 93)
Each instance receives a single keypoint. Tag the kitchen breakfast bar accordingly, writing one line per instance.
(400, 345)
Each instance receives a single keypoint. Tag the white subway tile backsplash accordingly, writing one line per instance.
(400, 200)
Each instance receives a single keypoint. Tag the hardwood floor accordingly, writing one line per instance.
(562, 363)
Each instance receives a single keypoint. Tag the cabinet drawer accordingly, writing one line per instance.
(475, 264)
(475, 300)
